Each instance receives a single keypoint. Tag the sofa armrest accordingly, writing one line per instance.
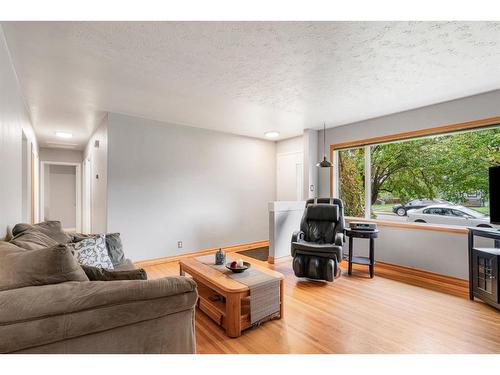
(39, 315)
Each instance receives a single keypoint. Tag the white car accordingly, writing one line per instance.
(450, 214)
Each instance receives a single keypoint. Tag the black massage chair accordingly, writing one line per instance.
(317, 247)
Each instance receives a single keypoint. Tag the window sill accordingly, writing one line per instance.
(415, 226)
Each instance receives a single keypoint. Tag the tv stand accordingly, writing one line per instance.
(484, 264)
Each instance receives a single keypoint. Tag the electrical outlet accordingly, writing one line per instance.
(179, 244)
(311, 187)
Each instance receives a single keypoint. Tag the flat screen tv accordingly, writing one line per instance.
(495, 195)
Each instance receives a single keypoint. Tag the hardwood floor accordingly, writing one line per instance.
(357, 315)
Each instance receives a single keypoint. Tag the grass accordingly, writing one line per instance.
(388, 208)
(483, 210)
(382, 207)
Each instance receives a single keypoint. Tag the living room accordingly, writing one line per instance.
(249, 187)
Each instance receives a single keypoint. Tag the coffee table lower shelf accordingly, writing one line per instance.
(216, 310)
(232, 312)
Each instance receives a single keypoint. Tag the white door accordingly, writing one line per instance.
(289, 177)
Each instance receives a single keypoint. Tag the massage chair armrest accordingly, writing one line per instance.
(297, 236)
(339, 239)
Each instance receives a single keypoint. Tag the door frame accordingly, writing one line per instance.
(78, 190)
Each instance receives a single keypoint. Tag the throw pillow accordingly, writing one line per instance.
(77, 237)
(33, 240)
(115, 248)
(99, 274)
(92, 252)
(52, 265)
(52, 229)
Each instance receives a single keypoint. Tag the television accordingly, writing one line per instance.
(495, 195)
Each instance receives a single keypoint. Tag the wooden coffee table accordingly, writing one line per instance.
(233, 314)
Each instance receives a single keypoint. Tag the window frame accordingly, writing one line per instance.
(439, 130)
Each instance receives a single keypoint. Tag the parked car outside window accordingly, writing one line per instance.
(402, 209)
(450, 214)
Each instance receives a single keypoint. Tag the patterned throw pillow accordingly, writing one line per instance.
(92, 252)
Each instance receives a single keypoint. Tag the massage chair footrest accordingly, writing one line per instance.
(314, 267)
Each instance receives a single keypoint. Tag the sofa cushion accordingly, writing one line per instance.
(33, 240)
(100, 274)
(7, 248)
(52, 229)
(36, 316)
(127, 265)
(52, 265)
(115, 248)
(92, 252)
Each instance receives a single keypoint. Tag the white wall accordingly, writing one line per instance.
(61, 155)
(305, 147)
(290, 169)
(14, 119)
(169, 183)
(295, 144)
(98, 157)
(444, 253)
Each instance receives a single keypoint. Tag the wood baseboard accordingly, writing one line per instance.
(413, 276)
(227, 249)
(273, 260)
(425, 279)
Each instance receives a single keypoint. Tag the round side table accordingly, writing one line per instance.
(366, 261)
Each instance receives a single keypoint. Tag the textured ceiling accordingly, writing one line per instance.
(246, 77)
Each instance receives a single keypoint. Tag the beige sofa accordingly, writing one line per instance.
(127, 316)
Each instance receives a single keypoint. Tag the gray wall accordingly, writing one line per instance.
(169, 183)
(444, 253)
(311, 172)
(14, 119)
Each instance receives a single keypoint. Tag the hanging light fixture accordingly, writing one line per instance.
(324, 163)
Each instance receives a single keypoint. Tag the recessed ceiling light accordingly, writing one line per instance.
(272, 134)
(64, 135)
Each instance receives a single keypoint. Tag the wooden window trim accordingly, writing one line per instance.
(443, 129)
(410, 225)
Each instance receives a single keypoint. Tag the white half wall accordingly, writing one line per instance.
(14, 120)
(176, 183)
(284, 219)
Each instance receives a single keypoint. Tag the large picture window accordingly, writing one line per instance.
(440, 179)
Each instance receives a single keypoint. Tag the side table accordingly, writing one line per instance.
(367, 261)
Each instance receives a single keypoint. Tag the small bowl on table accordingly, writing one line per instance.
(238, 269)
